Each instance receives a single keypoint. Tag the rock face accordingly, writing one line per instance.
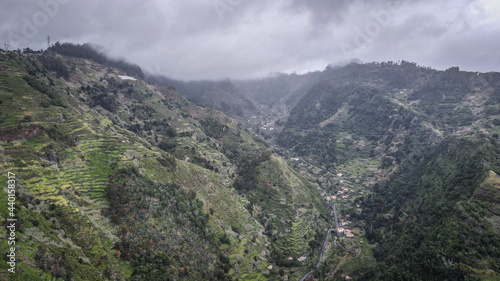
(22, 132)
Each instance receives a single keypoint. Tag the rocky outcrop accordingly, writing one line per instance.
(21, 132)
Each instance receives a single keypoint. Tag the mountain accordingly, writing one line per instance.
(437, 218)
(220, 95)
(282, 89)
(416, 151)
(118, 179)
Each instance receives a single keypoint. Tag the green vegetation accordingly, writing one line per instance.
(124, 180)
(417, 153)
(433, 209)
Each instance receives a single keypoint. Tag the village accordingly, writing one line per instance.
(343, 196)
(341, 223)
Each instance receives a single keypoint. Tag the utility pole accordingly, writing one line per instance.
(6, 46)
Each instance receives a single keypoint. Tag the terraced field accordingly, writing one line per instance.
(173, 212)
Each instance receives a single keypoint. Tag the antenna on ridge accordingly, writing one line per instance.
(48, 42)
(6, 46)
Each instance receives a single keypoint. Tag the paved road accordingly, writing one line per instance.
(324, 245)
(305, 276)
(330, 230)
(335, 216)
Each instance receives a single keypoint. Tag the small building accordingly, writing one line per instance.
(290, 259)
(285, 278)
(328, 198)
(301, 259)
(340, 230)
(270, 267)
(348, 278)
(339, 175)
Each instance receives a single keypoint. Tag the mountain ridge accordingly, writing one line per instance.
(82, 141)
(121, 179)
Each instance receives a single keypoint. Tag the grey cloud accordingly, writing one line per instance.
(215, 39)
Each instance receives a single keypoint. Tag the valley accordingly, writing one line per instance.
(360, 128)
(365, 171)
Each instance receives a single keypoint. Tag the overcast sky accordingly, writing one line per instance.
(217, 39)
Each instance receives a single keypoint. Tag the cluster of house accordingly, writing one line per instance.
(267, 124)
(303, 258)
(345, 231)
(342, 194)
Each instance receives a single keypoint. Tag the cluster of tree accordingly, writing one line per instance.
(42, 87)
(247, 174)
(143, 111)
(99, 95)
(425, 222)
(56, 134)
(167, 161)
(213, 128)
(86, 51)
(146, 211)
(53, 63)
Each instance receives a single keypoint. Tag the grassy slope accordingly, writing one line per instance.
(63, 171)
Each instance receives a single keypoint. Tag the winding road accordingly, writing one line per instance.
(330, 230)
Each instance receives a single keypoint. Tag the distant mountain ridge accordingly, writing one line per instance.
(138, 181)
(220, 95)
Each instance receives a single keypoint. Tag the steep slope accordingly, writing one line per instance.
(220, 95)
(118, 179)
(429, 138)
(282, 89)
(438, 217)
(386, 110)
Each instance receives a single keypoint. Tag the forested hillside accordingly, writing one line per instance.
(378, 171)
(418, 148)
(220, 95)
(438, 217)
(117, 179)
